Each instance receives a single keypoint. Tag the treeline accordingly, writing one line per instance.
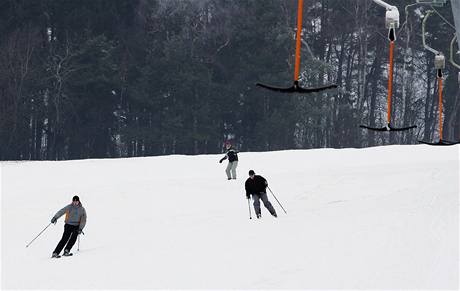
(124, 78)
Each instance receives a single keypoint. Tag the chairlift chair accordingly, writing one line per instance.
(296, 88)
(391, 22)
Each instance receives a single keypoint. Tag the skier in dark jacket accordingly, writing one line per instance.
(75, 221)
(256, 186)
(232, 156)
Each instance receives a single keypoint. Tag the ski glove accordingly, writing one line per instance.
(221, 160)
(80, 231)
(53, 220)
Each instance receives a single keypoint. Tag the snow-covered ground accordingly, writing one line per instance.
(376, 218)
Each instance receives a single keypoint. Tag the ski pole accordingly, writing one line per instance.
(277, 199)
(249, 206)
(78, 247)
(38, 235)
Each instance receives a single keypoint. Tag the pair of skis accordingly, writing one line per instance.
(59, 256)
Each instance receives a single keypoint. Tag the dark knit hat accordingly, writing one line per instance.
(76, 198)
(251, 172)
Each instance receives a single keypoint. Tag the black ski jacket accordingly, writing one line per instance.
(256, 185)
(231, 154)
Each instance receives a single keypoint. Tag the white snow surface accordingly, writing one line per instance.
(375, 218)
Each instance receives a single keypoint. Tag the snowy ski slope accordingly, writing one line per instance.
(380, 218)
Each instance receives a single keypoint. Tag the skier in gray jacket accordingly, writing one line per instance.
(75, 221)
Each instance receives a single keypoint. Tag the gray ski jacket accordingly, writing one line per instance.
(74, 215)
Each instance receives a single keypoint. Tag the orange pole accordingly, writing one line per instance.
(390, 82)
(298, 36)
(440, 107)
